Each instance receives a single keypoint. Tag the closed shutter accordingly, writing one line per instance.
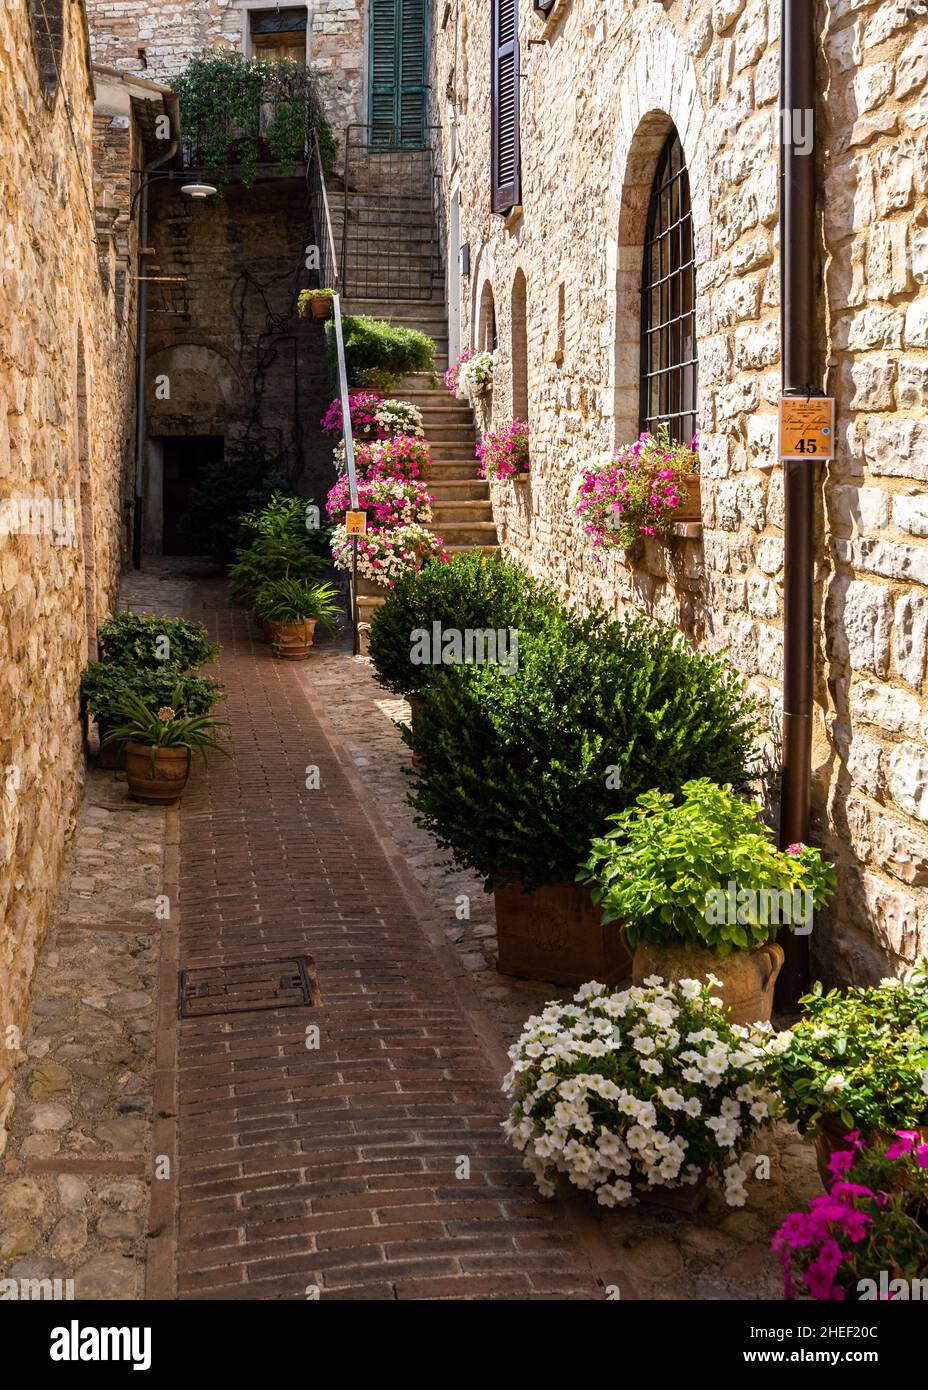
(397, 66)
(506, 188)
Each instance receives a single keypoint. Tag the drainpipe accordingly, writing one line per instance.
(798, 322)
(171, 105)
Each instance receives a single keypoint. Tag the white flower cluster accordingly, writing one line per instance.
(648, 1086)
(385, 555)
(477, 373)
(400, 417)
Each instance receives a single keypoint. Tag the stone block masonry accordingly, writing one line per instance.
(65, 425)
(598, 97)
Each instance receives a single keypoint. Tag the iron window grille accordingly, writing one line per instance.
(669, 361)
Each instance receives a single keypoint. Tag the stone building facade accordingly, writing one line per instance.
(66, 410)
(556, 282)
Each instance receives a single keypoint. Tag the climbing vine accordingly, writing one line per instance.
(238, 112)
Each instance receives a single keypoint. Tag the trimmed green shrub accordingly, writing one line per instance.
(105, 685)
(473, 591)
(376, 345)
(137, 640)
(519, 772)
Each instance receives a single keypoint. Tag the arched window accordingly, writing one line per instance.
(48, 33)
(669, 363)
(487, 331)
(519, 331)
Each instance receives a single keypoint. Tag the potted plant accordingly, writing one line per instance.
(159, 745)
(856, 1061)
(389, 501)
(290, 609)
(476, 373)
(522, 763)
(633, 1093)
(385, 553)
(868, 1237)
(452, 377)
(318, 301)
(503, 452)
(698, 886)
(362, 411)
(638, 491)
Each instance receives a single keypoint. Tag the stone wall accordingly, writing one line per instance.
(65, 420)
(598, 96)
(158, 37)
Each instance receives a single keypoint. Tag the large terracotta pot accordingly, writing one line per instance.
(831, 1139)
(555, 933)
(291, 641)
(747, 977)
(168, 779)
(321, 306)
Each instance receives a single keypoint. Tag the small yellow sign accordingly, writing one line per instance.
(807, 427)
(356, 523)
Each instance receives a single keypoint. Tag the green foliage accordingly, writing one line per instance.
(858, 1059)
(166, 727)
(238, 111)
(518, 772)
(291, 600)
(245, 479)
(286, 517)
(664, 872)
(375, 344)
(305, 298)
(284, 546)
(473, 591)
(136, 640)
(105, 684)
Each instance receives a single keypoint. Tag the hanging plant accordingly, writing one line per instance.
(240, 112)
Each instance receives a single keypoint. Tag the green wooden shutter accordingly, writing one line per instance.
(397, 67)
(506, 187)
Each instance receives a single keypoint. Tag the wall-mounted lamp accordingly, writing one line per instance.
(198, 190)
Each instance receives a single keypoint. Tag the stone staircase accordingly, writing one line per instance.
(461, 511)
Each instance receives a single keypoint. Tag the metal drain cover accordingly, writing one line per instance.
(288, 983)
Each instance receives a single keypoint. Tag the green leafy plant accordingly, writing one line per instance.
(104, 686)
(518, 771)
(245, 479)
(296, 600)
(305, 298)
(858, 1059)
(473, 591)
(143, 640)
(285, 517)
(703, 872)
(237, 111)
(166, 728)
(269, 558)
(375, 344)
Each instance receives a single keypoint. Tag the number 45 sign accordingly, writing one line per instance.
(807, 427)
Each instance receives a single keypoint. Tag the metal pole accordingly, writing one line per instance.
(349, 460)
(798, 325)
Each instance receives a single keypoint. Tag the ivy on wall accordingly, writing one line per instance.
(239, 113)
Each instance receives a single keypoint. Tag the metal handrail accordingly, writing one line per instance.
(323, 220)
(361, 140)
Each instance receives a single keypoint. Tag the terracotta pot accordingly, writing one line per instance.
(687, 1197)
(168, 779)
(554, 933)
(291, 641)
(321, 306)
(747, 977)
(692, 507)
(831, 1139)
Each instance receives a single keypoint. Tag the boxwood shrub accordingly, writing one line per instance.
(375, 344)
(517, 773)
(138, 639)
(105, 684)
(472, 591)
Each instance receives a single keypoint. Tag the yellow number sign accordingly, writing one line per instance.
(807, 427)
(356, 523)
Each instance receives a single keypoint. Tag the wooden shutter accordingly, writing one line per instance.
(397, 66)
(506, 188)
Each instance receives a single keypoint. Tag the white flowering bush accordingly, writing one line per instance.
(477, 373)
(399, 417)
(385, 554)
(646, 1087)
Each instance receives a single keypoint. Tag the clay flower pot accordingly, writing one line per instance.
(554, 933)
(165, 782)
(748, 977)
(291, 641)
(321, 305)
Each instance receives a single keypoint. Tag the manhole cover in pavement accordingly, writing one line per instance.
(242, 988)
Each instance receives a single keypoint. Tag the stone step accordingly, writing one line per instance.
(465, 466)
(446, 513)
(478, 533)
(452, 490)
(484, 549)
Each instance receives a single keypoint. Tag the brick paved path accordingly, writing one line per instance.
(332, 1168)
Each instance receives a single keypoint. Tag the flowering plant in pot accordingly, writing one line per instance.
(388, 501)
(638, 491)
(647, 1088)
(399, 417)
(867, 1238)
(362, 410)
(290, 610)
(319, 301)
(503, 452)
(452, 377)
(402, 456)
(159, 745)
(476, 374)
(386, 554)
(698, 885)
(857, 1060)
